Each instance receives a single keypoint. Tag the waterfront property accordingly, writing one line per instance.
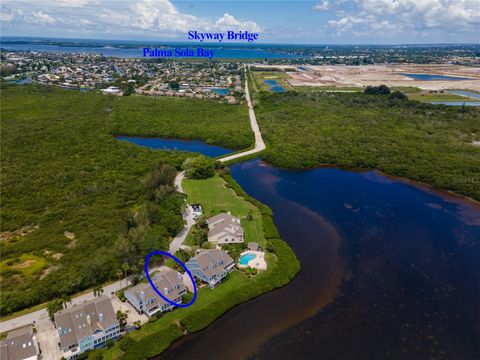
(253, 259)
(211, 266)
(146, 301)
(225, 228)
(19, 344)
(86, 326)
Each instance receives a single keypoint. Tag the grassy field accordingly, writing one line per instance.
(422, 142)
(215, 198)
(428, 97)
(260, 76)
(63, 172)
(214, 194)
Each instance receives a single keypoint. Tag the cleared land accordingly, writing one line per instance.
(390, 75)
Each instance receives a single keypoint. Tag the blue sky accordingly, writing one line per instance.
(303, 22)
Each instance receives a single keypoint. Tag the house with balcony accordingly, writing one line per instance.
(211, 266)
(225, 228)
(86, 326)
(146, 301)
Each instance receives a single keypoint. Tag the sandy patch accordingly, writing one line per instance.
(25, 264)
(57, 256)
(476, 143)
(69, 235)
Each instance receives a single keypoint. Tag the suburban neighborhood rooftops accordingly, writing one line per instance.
(19, 344)
(84, 319)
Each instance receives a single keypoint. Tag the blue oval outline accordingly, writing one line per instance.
(145, 268)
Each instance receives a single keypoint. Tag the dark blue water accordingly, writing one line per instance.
(274, 87)
(389, 271)
(221, 91)
(109, 51)
(179, 145)
(430, 77)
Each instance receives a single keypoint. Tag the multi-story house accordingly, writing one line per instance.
(146, 301)
(19, 344)
(225, 229)
(86, 326)
(211, 266)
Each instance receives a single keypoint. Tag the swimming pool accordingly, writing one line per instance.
(244, 259)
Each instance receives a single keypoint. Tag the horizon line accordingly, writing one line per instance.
(236, 43)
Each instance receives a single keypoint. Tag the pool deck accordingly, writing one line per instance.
(258, 262)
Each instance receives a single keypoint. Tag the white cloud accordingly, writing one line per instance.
(414, 16)
(322, 6)
(150, 17)
(41, 18)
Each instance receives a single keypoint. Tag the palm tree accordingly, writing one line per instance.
(97, 290)
(54, 306)
(65, 299)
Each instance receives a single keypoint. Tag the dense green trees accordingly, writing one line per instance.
(99, 204)
(377, 90)
(199, 167)
(423, 142)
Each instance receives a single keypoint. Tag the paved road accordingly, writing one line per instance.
(259, 144)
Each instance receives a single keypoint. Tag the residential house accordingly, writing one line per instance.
(146, 301)
(86, 326)
(224, 229)
(211, 266)
(19, 344)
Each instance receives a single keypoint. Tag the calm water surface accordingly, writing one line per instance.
(179, 145)
(432, 77)
(389, 271)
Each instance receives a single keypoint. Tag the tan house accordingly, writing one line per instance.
(19, 344)
(225, 228)
(145, 300)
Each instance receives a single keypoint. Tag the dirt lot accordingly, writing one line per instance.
(390, 75)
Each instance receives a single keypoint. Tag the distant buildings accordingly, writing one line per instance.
(146, 301)
(112, 90)
(211, 266)
(224, 228)
(86, 326)
(19, 344)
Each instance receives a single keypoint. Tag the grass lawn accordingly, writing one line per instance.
(437, 97)
(27, 265)
(154, 337)
(215, 198)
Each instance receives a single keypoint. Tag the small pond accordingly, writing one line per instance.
(175, 144)
(274, 87)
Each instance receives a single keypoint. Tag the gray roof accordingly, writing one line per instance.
(213, 261)
(224, 223)
(168, 282)
(18, 345)
(253, 246)
(84, 319)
